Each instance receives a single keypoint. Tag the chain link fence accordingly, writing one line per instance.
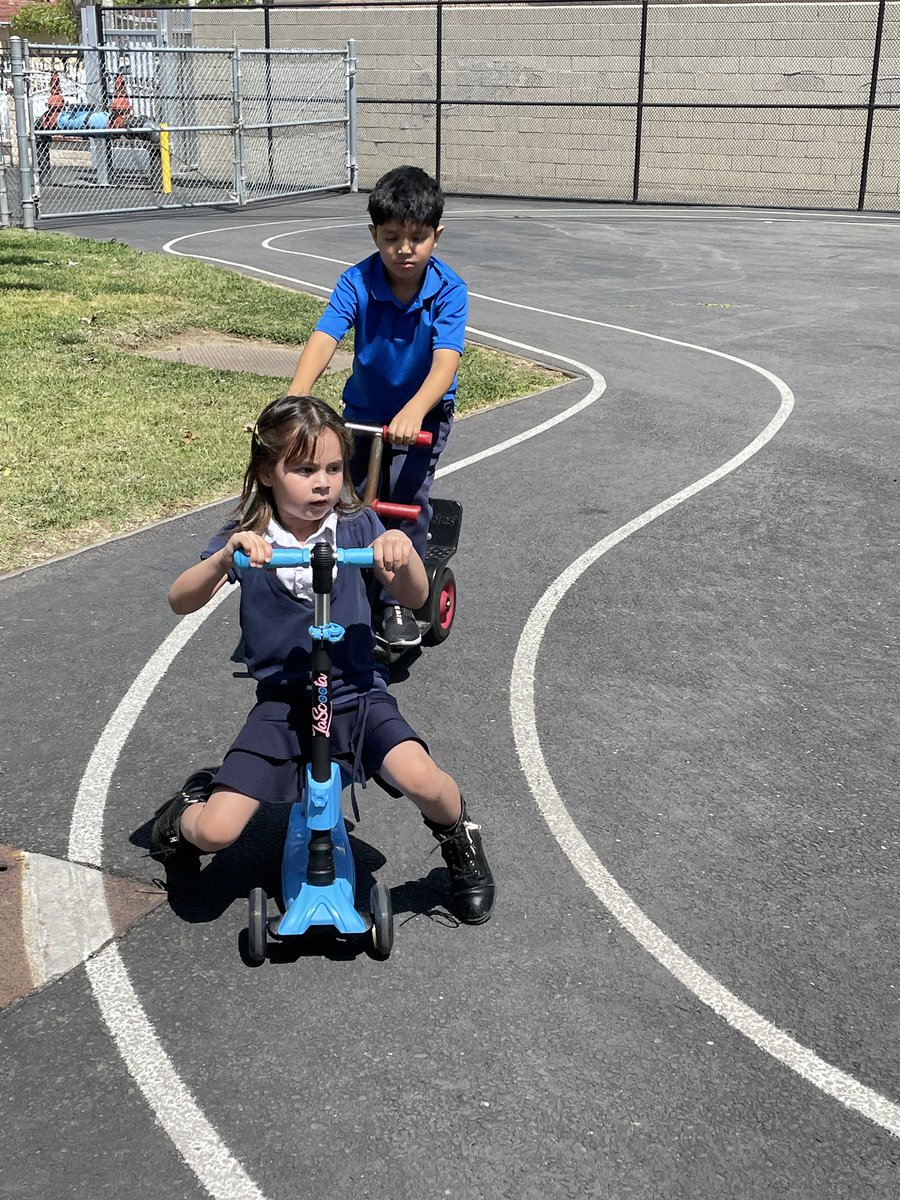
(751, 103)
(765, 103)
(134, 125)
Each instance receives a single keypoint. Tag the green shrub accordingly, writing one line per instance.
(41, 21)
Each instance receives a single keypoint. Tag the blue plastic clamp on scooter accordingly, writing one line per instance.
(318, 872)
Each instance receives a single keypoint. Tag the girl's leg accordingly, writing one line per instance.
(219, 822)
(409, 768)
(200, 820)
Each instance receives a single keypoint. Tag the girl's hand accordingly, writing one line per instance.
(392, 551)
(257, 549)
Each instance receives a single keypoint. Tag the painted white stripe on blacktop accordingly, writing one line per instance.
(597, 380)
(151, 1068)
(165, 1092)
(86, 830)
(175, 1108)
(740, 1016)
(185, 1123)
(58, 936)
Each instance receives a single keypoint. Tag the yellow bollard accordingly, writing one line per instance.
(165, 158)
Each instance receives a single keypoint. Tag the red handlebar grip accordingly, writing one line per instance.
(398, 512)
(423, 437)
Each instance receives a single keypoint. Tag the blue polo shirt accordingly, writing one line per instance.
(395, 342)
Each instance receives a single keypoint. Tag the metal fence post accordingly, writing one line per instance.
(352, 177)
(870, 119)
(240, 178)
(639, 110)
(438, 86)
(20, 103)
(5, 220)
(96, 87)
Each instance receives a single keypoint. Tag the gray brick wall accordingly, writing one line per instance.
(725, 54)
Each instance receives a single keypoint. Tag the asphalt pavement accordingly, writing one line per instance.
(670, 697)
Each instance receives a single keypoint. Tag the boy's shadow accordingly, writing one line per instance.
(201, 890)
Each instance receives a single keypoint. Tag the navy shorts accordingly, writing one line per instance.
(267, 759)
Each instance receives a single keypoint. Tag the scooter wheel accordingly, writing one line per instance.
(257, 926)
(382, 921)
(441, 607)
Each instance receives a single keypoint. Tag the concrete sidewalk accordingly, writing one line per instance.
(54, 914)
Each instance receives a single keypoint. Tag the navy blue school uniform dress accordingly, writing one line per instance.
(266, 760)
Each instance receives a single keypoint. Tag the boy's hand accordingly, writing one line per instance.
(257, 549)
(392, 550)
(405, 427)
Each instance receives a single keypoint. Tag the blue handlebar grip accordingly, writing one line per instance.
(364, 557)
(280, 558)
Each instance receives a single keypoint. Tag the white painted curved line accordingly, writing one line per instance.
(151, 1068)
(167, 1095)
(740, 1016)
(195, 1139)
(598, 384)
(86, 828)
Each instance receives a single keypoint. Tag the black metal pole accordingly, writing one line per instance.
(267, 38)
(320, 869)
(870, 119)
(438, 87)
(322, 561)
(639, 116)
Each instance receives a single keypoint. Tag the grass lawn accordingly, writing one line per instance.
(96, 439)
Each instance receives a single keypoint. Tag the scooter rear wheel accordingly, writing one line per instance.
(441, 607)
(257, 926)
(382, 911)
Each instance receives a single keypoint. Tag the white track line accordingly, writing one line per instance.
(195, 1139)
(167, 1095)
(740, 1016)
(162, 1087)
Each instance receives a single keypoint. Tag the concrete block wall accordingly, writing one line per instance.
(511, 57)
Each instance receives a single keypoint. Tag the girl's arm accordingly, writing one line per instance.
(407, 423)
(314, 358)
(198, 584)
(399, 568)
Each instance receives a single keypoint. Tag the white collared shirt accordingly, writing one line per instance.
(298, 580)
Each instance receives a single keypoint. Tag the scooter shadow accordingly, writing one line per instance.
(201, 891)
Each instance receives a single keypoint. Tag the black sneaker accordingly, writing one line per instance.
(470, 875)
(165, 836)
(399, 627)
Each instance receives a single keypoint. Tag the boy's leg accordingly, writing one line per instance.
(412, 471)
(409, 768)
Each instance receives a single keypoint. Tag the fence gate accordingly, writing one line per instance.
(132, 125)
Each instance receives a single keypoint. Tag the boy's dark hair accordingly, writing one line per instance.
(406, 194)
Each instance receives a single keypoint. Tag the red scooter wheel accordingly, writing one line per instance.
(441, 608)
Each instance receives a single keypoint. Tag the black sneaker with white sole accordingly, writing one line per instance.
(165, 836)
(399, 627)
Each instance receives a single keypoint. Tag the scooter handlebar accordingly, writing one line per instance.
(423, 438)
(396, 512)
(282, 557)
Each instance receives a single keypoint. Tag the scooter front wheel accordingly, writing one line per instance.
(257, 926)
(382, 911)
